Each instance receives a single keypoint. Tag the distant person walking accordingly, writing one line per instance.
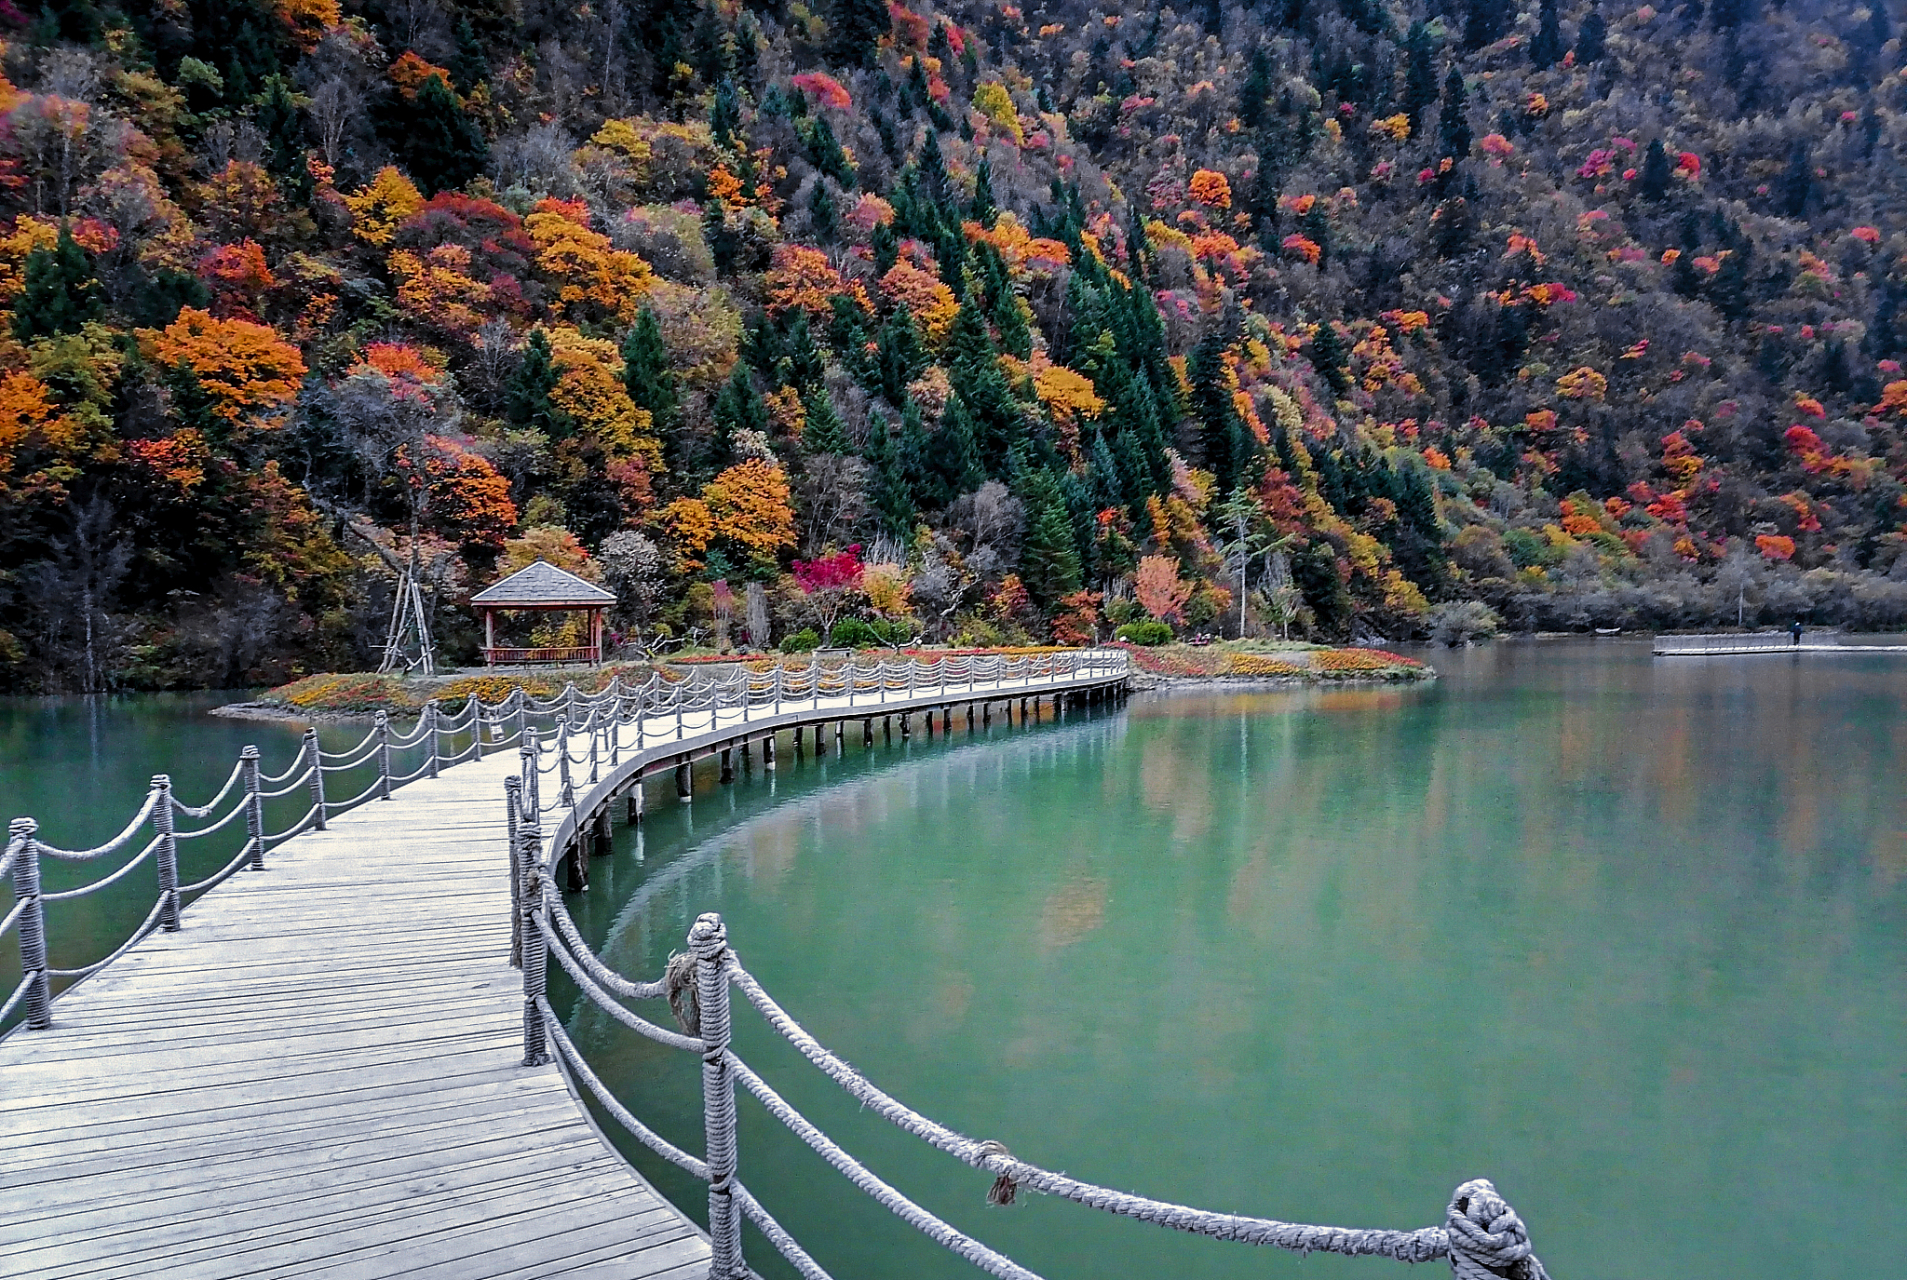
(1795, 631)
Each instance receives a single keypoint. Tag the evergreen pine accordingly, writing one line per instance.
(822, 432)
(527, 400)
(648, 374)
(1453, 123)
(444, 146)
(1049, 558)
(822, 214)
(725, 114)
(60, 294)
(1591, 37)
(1484, 24)
(277, 118)
(1420, 75)
(889, 492)
(1016, 335)
(855, 29)
(1254, 96)
(1796, 183)
(982, 208)
(1546, 50)
(471, 65)
(901, 357)
(1655, 172)
(886, 246)
(953, 454)
(1330, 359)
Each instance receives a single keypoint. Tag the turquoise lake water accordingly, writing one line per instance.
(1627, 936)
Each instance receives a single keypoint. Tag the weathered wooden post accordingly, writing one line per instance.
(799, 755)
(708, 942)
(25, 852)
(768, 753)
(820, 741)
(929, 719)
(166, 856)
(906, 729)
(946, 720)
(728, 766)
(969, 717)
(683, 791)
(431, 734)
(566, 792)
(383, 732)
(314, 754)
(254, 806)
(840, 727)
(986, 715)
(595, 737)
(529, 856)
(887, 728)
(633, 816)
(532, 789)
(512, 809)
(867, 732)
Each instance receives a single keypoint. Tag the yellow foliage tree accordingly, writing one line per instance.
(437, 288)
(382, 206)
(594, 279)
(932, 303)
(992, 100)
(1582, 384)
(747, 505)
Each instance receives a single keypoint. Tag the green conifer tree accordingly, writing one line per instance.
(444, 147)
(738, 407)
(954, 454)
(1655, 172)
(855, 28)
(1591, 38)
(527, 400)
(648, 374)
(1049, 557)
(1330, 359)
(60, 293)
(1546, 49)
(981, 208)
(471, 65)
(1453, 123)
(822, 432)
(1420, 75)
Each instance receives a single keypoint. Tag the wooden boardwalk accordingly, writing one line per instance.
(318, 1076)
(319, 1073)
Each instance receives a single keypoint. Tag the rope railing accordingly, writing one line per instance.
(579, 731)
(1481, 1235)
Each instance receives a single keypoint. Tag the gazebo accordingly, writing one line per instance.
(543, 588)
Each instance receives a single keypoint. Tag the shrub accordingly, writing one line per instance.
(852, 633)
(806, 640)
(1148, 631)
(1461, 622)
(1258, 664)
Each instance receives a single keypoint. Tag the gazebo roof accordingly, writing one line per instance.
(544, 586)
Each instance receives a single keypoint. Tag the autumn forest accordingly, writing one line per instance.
(977, 324)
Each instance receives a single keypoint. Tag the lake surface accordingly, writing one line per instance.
(1626, 936)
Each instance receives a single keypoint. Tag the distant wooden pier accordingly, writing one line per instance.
(1761, 643)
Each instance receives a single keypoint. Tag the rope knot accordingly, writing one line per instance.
(1488, 1241)
(678, 983)
(1004, 1188)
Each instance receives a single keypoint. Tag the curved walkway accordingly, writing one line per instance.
(319, 1074)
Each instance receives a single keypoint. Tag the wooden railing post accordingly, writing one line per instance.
(431, 735)
(532, 793)
(254, 806)
(566, 794)
(383, 731)
(166, 856)
(512, 807)
(708, 942)
(312, 753)
(529, 872)
(26, 888)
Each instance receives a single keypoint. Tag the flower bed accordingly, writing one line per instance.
(1259, 664)
(1362, 660)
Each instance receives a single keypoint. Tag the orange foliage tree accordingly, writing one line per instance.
(246, 370)
(1160, 590)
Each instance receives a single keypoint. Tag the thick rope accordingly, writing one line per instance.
(13, 917)
(113, 845)
(236, 813)
(97, 885)
(151, 923)
(642, 1132)
(778, 1236)
(941, 1233)
(222, 874)
(603, 1000)
(602, 973)
(200, 810)
(19, 994)
(287, 789)
(311, 817)
(1011, 1174)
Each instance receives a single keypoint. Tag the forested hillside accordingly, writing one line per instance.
(982, 323)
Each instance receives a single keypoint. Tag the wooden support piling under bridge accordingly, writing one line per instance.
(314, 1074)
